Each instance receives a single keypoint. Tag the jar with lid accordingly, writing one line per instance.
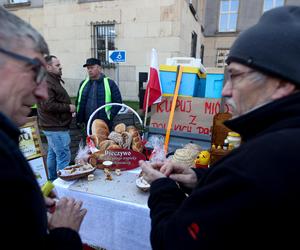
(234, 138)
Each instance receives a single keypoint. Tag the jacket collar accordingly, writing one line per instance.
(279, 114)
(55, 77)
(9, 128)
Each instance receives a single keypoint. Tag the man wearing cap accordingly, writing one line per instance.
(96, 91)
(250, 198)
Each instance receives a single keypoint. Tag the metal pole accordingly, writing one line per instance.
(118, 74)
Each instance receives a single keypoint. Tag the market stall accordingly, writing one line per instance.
(118, 216)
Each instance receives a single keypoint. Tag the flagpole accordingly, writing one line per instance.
(146, 112)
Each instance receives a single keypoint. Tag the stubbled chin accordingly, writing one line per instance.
(20, 118)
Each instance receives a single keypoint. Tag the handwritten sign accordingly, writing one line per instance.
(192, 115)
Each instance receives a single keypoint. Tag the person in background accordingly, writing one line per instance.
(24, 210)
(250, 198)
(94, 92)
(55, 116)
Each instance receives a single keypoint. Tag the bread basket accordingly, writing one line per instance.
(88, 127)
(121, 158)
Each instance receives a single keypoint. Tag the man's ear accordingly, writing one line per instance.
(283, 89)
(49, 67)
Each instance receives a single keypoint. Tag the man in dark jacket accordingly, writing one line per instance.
(55, 116)
(94, 92)
(23, 209)
(250, 198)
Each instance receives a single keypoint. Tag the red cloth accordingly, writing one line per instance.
(153, 87)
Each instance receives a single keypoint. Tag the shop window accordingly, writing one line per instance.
(17, 1)
(221, 57)
(103, 35)
(228, 15)
(270, 4)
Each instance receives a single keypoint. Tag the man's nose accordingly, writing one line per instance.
(227, 89)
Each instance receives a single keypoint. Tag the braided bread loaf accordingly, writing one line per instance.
(136, 144)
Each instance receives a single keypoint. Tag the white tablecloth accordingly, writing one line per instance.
(110, 223)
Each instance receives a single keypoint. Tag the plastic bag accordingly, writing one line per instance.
(83, 154)
(157, 143)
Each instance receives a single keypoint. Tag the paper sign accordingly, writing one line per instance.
(38, 168)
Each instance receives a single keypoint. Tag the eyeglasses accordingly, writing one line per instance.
(233, 77)
(38, 68)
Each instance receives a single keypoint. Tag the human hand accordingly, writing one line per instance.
(151, 171)
(180, 173)
(72, 108)
(68, 213)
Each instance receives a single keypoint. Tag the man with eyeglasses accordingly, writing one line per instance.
(23, 209)
(55, 116)
(250, 198)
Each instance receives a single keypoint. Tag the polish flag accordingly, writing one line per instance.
(153, 91)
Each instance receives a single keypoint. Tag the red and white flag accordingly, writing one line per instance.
(153, 91)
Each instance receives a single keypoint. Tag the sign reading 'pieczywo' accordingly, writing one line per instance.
(192, 115)
(123, 159)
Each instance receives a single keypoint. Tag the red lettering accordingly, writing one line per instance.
(202, 130)
(193, 118)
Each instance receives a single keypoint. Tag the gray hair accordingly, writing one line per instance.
(14, 31)
(257, 77)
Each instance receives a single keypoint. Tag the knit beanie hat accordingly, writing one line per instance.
(272, 46)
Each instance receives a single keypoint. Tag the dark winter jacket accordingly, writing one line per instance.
(247, 200)
(82, 117)
(23, 211)
(54, 113)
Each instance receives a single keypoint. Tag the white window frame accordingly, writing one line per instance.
(18, 1)
(274, 4)
(229, 13)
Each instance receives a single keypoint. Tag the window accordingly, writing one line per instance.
(194, 44)
(221, 57)
(270, 4)
(18, 1)
(103, 40)
(228, 15)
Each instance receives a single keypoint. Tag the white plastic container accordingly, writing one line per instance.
(234, 139)
(186, 61)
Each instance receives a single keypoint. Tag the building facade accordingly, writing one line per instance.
(225, 19)
(78, 29)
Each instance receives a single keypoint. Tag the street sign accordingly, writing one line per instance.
(117, 56)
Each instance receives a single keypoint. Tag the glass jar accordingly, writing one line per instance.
(234, 138)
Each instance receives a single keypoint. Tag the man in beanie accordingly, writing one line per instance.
(250, 198)
(94, 92)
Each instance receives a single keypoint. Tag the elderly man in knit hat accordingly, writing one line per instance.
(250, 198)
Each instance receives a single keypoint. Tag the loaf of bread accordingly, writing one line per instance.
(120, 128)
(116, 137)
(104, 145)
(127, 139)
(136, 144)
(100, 130)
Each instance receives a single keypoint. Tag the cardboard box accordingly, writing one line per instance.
(192, 115)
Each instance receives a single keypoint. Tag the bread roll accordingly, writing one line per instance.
(100, 129)
(104, 145)
(120, 128)
(116, 137)
(127, 138)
